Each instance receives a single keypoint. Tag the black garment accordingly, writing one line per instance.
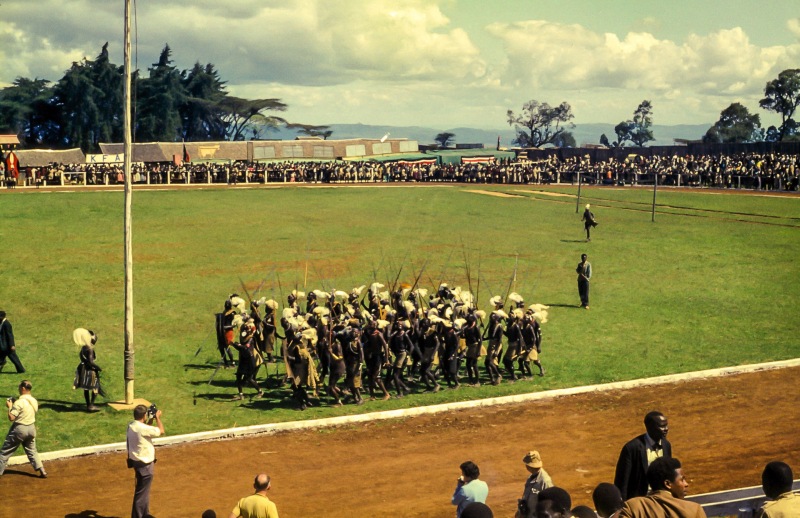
(631, 473)
(584, 271)
(8, 346)
(588, 222)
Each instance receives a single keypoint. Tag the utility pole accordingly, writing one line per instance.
(128, 251)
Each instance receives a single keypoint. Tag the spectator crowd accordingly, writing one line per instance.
(744, 170)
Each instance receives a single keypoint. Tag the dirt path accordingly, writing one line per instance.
(724, 430)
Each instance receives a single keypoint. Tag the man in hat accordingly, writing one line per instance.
(588, 221)
(538, 480)
(639, 453)
(8, 348)
(495, 350)
(584, 271)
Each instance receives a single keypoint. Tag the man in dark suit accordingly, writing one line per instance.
(8, 348)
(639, 453)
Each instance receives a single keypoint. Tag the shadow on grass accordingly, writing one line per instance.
(200, 366)
(564, 306)
(89, 513)
(268, 402)
(573, 241)
(64, 406)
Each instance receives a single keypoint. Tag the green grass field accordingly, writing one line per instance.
(713, 282)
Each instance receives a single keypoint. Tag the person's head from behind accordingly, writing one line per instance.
(477, 510)
(25, 387)
(470, 471)
(583, 511)
(139, 412)
(261, 482)
(776, 479)
(2, 314)
(666, 474)
(553, 502)
(607, 499)
(657, 426)
(209, 513)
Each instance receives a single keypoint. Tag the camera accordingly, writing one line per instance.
(151, 411)
(11, 399)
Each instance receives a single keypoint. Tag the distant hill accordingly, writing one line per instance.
(583, 133)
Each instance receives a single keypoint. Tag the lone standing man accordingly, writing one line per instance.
(588, 222)
(584, 271)
(639, 453)
(257, 505)
(8, 348)
(142, 456)
(22, 414)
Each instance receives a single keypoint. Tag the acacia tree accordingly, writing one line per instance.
(311, 130)
(782, 95)
(444, 139)
(242, 115)
(637, 131)
(540, 123)
(735, 124)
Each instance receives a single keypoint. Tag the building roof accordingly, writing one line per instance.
(43, 157)
(9, 140)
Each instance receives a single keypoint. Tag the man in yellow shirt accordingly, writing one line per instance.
(256, 505)
(777, 483)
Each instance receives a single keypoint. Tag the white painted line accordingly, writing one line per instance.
(271, 428)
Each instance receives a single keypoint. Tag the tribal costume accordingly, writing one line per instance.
(495, 349)
(400, 345)
(248, 363)
(472, 337)
(87, 374)
(376, 351)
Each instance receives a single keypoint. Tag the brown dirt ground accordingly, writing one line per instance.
(724, 430)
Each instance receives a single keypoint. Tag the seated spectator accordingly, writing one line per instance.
(666, 498)
(777, 483)
(554, 502)
(607, 500)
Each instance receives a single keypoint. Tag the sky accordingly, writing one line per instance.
(435, 63)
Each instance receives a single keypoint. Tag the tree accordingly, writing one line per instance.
(311, 130)
(565, 139)
(25, 110)
(201, 115)
(604, 141)
(444, 139)
(75, 97)
(159, 101)
(539, 123)
(242, 115)
(782, 95)
(637, 131)
(735, 124)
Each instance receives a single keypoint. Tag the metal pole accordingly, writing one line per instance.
(578, 201)
(655, 188)
(129, 352)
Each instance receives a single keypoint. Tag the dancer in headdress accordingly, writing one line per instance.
(87, 375)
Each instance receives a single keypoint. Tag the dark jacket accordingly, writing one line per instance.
(6, 336)
(631, 474)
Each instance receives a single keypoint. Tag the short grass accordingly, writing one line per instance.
(713, 282)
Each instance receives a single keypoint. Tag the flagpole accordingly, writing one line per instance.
(128, 252)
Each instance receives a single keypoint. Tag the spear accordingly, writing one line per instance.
(512, 281)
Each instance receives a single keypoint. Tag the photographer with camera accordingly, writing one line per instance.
(142, 454)
(22, 414)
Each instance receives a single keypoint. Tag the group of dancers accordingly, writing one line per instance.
(343, 341)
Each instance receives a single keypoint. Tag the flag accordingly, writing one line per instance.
(12, 165)
(186, 158)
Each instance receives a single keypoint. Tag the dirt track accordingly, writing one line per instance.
(724, 430)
